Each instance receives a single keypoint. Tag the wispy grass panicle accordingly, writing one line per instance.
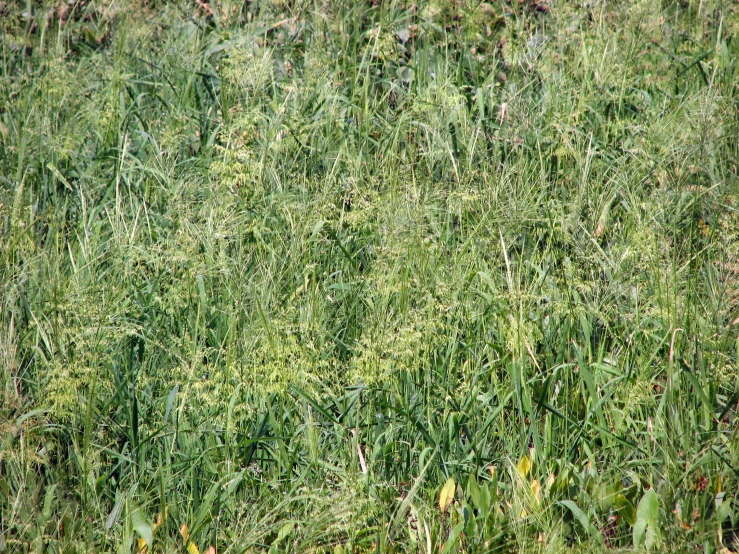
(368, 276)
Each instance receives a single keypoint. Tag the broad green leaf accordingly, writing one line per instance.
(653, 537)
(170, 401)
(142, 526)
(48, 501)
(583, 519)
(447, 494)
(646, 528)
(626, 509)
(723, 511)
(451, 542)
(113, 516)
(285, 530)
(473, 491)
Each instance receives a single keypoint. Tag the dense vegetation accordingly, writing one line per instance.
(369, 276)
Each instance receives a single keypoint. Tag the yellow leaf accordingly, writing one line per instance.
(141, 546)
(524, 466)
(192, 548)
(160, 520)
(550, 481)
(447, 494)
(536, 489)
(184, 532)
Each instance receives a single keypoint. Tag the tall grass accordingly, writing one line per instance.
(273, 273)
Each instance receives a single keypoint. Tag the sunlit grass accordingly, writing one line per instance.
(273, 274)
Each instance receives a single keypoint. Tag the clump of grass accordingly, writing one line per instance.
(275, 275)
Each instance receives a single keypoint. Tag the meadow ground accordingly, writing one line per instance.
(369, 276)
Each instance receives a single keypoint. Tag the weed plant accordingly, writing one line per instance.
(369, 276)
